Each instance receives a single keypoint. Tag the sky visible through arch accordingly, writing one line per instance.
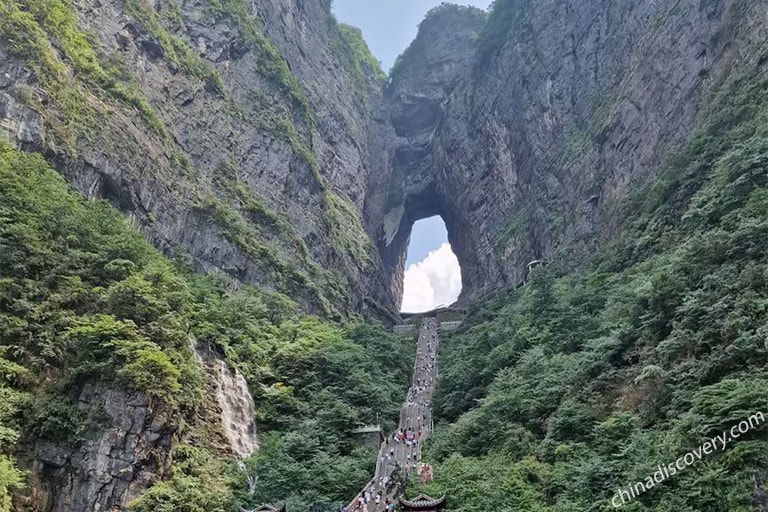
(432, 275)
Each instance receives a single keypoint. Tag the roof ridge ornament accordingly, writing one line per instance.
(423, 502)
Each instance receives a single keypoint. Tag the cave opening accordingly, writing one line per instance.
(432, 275)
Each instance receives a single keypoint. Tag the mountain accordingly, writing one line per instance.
(213, 198)
(527, 133)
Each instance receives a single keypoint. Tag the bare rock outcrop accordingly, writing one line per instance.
(526, 133)
(111, 467)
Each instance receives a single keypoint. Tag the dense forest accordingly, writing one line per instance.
(554, 396)
(92, 301)
(257, 171)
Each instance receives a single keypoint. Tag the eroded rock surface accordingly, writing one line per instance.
(527, 138)
(111, 467)
(525, 133)
(263, 152)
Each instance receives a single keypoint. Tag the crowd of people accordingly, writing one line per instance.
(402, 450)
(374, 497)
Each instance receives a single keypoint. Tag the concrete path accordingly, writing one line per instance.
(415, 415)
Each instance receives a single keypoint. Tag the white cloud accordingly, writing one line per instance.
(433, 281)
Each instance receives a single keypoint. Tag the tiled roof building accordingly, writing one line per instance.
(422, 503)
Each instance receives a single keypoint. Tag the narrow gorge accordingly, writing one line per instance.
(205, 212)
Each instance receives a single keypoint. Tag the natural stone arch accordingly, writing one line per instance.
(398, 226)
(413, 182)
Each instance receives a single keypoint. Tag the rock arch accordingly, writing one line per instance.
(414, 184)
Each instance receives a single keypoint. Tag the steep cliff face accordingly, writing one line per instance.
(258, 138)
(234, 135)
(110, 468)
(239, 147)
(131, 442)
(528, 146)
(254, 138)
(409, 187)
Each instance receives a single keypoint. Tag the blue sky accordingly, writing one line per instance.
(427, 235)
(389, 26)
(432, 275)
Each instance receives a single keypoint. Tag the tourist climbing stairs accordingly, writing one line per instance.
(400, 455)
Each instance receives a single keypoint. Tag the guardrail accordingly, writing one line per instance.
(352, 505)
(450, 326)
(365, 429)
(403, 328)
(429, 329)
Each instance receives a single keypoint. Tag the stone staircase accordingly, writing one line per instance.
(396, 460)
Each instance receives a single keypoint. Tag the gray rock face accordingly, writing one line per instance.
(527, 145)
(111, 468)
(409, 188)
(524, 135)
(242, 182)
(20, 122)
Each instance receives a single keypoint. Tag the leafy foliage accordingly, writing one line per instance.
(83, 83)
(271, 62)
(11, 405)
(31, 25)
(10, 479)
(506, 17)
(85, 299)
(176, 50)
(198, 483)
(579, 384)
(351, 50)
(415, 55)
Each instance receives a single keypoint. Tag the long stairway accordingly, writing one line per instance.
(416, 416)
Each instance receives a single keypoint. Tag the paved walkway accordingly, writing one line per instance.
(415, 417)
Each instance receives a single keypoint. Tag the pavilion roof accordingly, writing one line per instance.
(422, 501)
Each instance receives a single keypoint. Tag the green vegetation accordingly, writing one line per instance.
(175, 49)
(604, 112)
(199, 482)
(241, 214)
(513, 228)
(226, 179)
(244, 218)
(10, 479)
(555, 395)
(506, 17)
(238, 13)
(577, 144)
(353, 53)
(287, 130)
(316, 461)
(267, 236)
(347, 234)
(298, 276)
(356, 52)
(54, 418)
(82, 292)
(415, 54)
(270, 62)
(84, 299)
(81, 80)
(12, 401)
(31, 26)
